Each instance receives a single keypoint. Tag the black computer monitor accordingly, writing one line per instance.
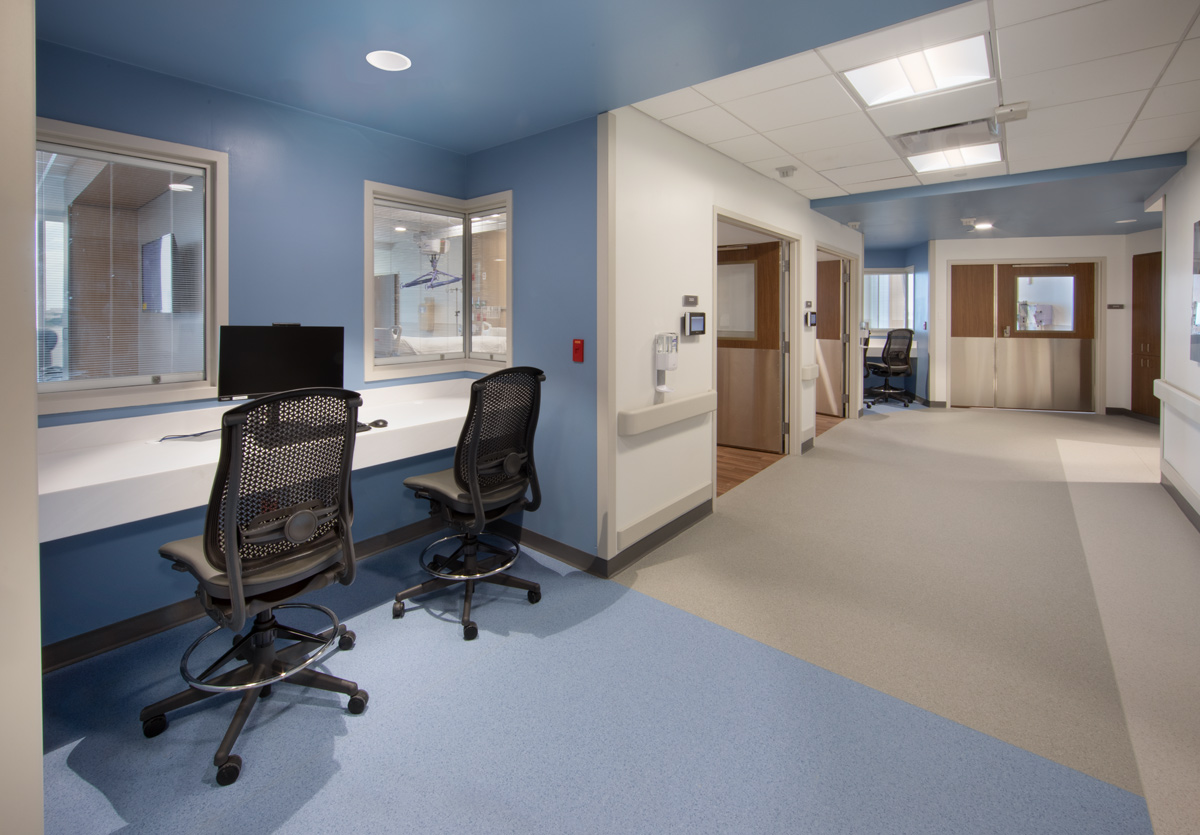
(255, 360)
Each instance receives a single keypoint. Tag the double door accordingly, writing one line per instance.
(1022, 336)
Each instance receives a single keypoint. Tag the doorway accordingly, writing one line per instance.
(833, 328)
(1022, 336)
(751, 329)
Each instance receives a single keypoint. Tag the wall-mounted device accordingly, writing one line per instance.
(691, 301)
(666, 358)
(692, 323)
(810, 318)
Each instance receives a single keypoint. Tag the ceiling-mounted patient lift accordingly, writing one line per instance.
(434, 248)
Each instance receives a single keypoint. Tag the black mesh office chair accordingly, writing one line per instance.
(894, 362)
(278, 527)
(493, 470)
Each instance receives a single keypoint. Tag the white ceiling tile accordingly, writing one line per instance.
(781, 73)
(858, 153)
(1011, 12)
(1094, 79)
(819, 193)
(1110, 110)
(950, 107)
(1185, 66)
(975, 172)
(1195, 33)
(1090, 32)
(673, 104)
(749, 148)
(845, 177)
(883, 185)
(709, 125)
(1088, 144)
(1130, 150)
(1180, 126)
(827, 133)
(1173, 99)
(913, 35)
(803, 177)
(795, 104)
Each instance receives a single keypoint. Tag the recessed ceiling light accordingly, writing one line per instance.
(983, 226)
(180, 187)
(956, 158)
(385, 59)
(401, 228)
(937, 68)
(1131, 220)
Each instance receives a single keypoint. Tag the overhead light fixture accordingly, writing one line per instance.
(937, 68)
(979, 226)
(956, 158)
(1131, 220)
(385, 59)
(401, 228)
(180, 186)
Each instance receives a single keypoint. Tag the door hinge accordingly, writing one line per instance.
(787, 427)
(846, 338)
(845, 398)
(787, 347)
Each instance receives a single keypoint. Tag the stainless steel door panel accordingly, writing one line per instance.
(972, 371)
(750, 399)
(1048, 374)
(829, 383)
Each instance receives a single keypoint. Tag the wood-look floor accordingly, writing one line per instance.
(736, 465)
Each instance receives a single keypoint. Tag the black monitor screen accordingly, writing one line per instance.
(256, 360)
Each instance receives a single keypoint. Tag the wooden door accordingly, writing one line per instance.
(972, 335)
(1146, 342)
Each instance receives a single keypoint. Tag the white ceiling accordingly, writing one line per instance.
(1104, 81)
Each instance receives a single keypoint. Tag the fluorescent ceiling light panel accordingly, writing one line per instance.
(937, 68)
(956, 158)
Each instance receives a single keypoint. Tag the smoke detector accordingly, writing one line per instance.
(785, 171)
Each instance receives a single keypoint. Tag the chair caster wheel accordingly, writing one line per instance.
(228, 773)
(358, 702)
(153, 726)
(346, 641)
(906, 404)
(470, 631)
(398, 609)
(534, 595)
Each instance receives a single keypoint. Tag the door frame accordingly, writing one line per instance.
(852, 359)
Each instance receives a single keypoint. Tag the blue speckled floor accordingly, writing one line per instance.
(598, 710)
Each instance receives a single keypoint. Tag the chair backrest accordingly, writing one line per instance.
(282, 487)
(897, 348)
(495, 449)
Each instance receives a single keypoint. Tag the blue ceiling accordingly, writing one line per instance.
(1084, 200)
(485, 72)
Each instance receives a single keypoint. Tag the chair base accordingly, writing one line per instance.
(264, 665)
(467, 567)
(884, 393)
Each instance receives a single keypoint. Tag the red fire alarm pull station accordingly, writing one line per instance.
(577, 350)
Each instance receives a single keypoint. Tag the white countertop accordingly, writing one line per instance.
(105, 473)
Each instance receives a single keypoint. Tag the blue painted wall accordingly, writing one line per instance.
(884, 259)
(295, 254)
(553, 178)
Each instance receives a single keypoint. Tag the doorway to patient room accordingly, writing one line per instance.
(752, 338)
(833, 343)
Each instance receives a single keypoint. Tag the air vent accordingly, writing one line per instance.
(961, 135)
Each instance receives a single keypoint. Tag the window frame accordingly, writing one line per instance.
(109, 394)
(501, 201)
(909, 274)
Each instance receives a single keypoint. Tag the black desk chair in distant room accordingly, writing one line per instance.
(278, 527)
(893, 362)
(493, 471)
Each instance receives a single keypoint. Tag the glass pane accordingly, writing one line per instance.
(1046, 303)
(887, 300)
(489, 284)
(1195, 348)
(735, 301)
(120, 270)
(418, 284)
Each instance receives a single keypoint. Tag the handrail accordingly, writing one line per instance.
(1184, 402)
(637, 421)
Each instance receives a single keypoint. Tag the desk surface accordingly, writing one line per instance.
(96, 475)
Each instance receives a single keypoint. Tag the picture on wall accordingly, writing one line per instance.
(1195, 353)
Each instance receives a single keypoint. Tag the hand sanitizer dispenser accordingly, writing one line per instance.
(666, 358)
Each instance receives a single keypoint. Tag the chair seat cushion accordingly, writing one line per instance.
(279, 575)
(442, 487)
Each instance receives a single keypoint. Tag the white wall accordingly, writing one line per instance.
(1113, 327)
(660, 195)
(1181, 406)
(21, 697)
